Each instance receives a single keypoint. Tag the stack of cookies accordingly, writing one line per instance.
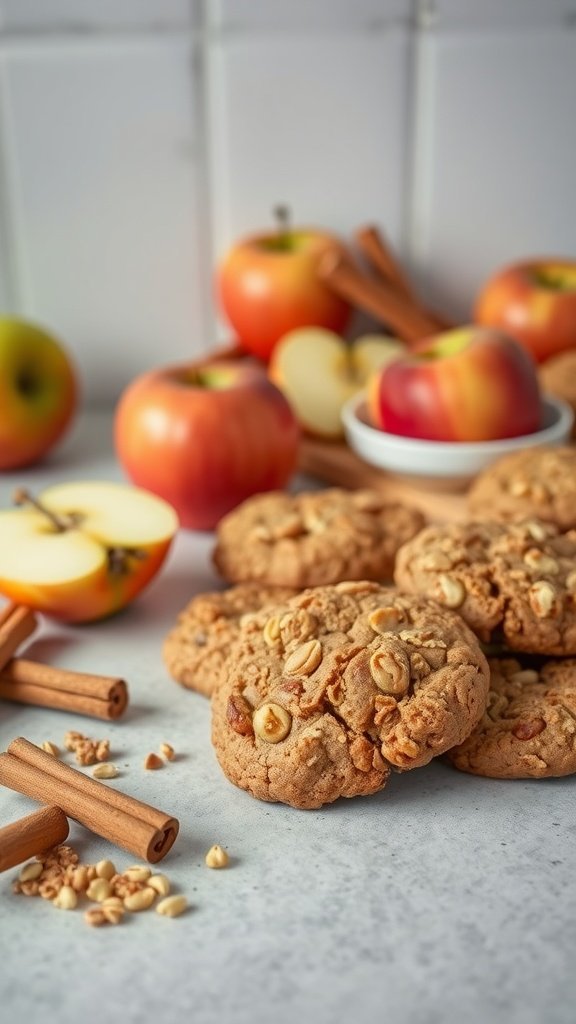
(353, 638)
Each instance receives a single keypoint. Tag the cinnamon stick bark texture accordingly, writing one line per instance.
(29, 682)
(135, 826)
(38, 831)
(384, 302)
(16, 625)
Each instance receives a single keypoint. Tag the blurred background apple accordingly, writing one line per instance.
(38, 392)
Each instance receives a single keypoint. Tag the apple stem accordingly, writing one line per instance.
(282, 214)
(60, 523)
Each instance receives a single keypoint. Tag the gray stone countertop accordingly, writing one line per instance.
(444, 898)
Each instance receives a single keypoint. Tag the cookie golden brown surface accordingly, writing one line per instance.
(535, 482)
(197, 649)
(529, 727)
(512, 583)
(331, 688)
(313, 538)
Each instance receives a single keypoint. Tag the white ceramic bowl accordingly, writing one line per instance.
(449, 461)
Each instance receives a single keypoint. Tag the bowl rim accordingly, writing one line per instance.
(562, 425)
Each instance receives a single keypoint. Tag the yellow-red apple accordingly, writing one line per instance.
(269, 284)
(468, 384)
(81, 551)
(318, 372)
(535, 302)
(37, 392)
(206, 437)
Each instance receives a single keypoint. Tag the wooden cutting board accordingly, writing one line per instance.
(335, 463)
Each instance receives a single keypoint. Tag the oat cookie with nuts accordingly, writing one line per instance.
(529, 727)
(332, 688)
(314, 538)
(197, 649)
(534, 482)
(513, 583)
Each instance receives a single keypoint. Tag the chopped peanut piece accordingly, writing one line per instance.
(105, 771)
(167, 751)
(66, 898)
(153, 762)
(216, 857)
(172, 906)
(51, 748)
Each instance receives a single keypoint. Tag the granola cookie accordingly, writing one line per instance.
(332, 688)
(313, 539)
(539, 482)
(196, 650)
(513, 583)
(529, 727)
(558, 377)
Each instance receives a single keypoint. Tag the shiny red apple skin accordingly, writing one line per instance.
(204, 448)
(266, 291)
(486, 390)
(521, 300)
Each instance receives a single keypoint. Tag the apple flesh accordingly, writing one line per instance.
(269, 284)
(535, 302)
(468, 384)
(205, 437)
(318, 372)
(37, 393)
(83, 550)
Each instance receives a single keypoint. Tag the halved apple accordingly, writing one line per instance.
(82, 551)
(318, 372)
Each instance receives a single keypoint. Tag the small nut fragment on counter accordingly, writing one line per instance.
(272, 722)
(216, 857)
(153, 763)
(99, 890)
(66, 898)
(105, 869)
(51, 748)
(172, 906)
(30, 872)
(142, 899)
(137, 873)
(160, 883)
(167, 751)
(105, 771)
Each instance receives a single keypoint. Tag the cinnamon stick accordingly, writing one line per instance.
(372, 244)
(29, 682)
(16, 625)
(38, 831)
(408, 322)
(135, 826)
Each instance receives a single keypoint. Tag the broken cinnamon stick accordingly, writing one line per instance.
(33, 834)
(16, 625)
(135, 826)
(408, 322)
(29, 682)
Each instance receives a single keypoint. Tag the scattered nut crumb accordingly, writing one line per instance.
(57, 875)
(172, 906)
(153, 762)
(105, 771)
(216, 857)
(51, 748)
(167, 751)
(87, 751)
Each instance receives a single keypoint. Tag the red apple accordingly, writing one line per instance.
(269, 284)
(468, 384)
(205, 437)
(37, 392)
(535, 302)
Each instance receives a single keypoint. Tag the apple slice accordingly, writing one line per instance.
(82, 551)
(318, 372)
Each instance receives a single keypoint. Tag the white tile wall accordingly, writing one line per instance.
(139, 138)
